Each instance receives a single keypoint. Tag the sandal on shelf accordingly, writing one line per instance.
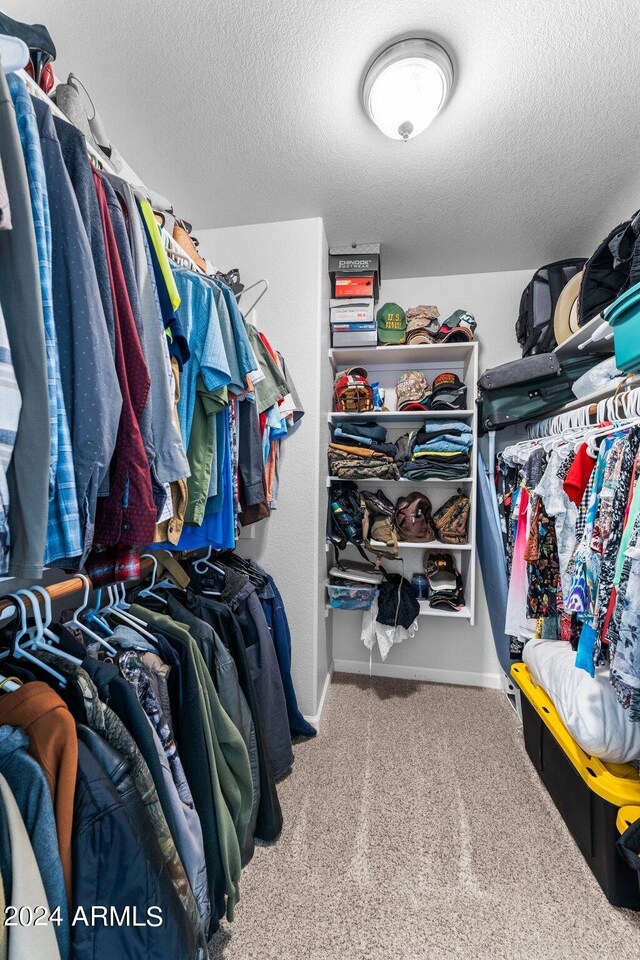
(445, 581)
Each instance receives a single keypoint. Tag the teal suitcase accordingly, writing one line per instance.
(528, 389)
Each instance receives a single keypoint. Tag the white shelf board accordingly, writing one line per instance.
(415, 483)
(431, 545)
(590, 398)
(359, 356)
(570, 347)
(401, 416)
(425, 611)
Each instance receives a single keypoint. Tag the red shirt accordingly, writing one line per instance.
(128, 514)
(579, 474)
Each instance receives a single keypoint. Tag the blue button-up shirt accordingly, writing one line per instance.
(63, 531)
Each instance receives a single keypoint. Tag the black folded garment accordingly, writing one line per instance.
(35, 35)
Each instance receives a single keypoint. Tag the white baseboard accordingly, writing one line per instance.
(462, 677)
(316, 720)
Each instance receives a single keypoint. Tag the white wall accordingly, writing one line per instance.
(292, 256)
(450, 650)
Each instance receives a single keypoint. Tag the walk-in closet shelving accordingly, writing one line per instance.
(385, 365)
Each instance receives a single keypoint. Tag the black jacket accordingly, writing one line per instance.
(114, 867)
(226, 624)
(118, 694)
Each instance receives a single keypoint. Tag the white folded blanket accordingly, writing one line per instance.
(587, 706)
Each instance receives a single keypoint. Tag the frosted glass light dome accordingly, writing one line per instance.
(406, 86)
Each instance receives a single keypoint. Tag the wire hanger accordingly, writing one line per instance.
(258, 298)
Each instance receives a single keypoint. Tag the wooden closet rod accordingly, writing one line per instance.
(66, 588)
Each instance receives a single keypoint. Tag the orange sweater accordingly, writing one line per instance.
(53, 742)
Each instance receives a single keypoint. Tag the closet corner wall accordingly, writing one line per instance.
(292, 256)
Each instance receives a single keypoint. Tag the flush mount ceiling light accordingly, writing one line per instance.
(406, 86)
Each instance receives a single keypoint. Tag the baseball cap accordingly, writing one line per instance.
(412, 391)
(392, 324)
(448, 393)
(458, 328)
(422, 330)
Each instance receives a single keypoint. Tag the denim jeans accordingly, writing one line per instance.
(278, 624)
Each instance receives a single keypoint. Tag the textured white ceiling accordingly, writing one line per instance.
(246, 111)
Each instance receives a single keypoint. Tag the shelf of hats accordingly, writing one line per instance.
(402, 434)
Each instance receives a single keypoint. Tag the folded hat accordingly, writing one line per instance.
(392, 324)
(458, 328)
(412, 388)
(422, 330)
(448, 393)
(423, 312)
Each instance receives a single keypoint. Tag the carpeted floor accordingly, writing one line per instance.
(415, 828)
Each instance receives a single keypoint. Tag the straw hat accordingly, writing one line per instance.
(565, 317)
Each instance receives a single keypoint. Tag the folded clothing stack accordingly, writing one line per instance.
(359, 451)
(440, 450)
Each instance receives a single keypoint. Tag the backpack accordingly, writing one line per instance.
(352, 392)
(534, 328)
(451, 520)
(413, 519)
(614, 266)
(344, 517)
(378, 521)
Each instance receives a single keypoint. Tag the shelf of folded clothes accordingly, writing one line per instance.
(440, 450)
(409, 354)
(400, 416)
(376, 480)
(431, 545)
(425, 611)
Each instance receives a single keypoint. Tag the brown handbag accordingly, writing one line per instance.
(451, 520)
(413, 519)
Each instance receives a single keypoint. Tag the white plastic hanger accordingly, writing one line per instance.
(48, 634)
(18, 651)
(126, 618)
(14, 53)
(150, 591)
(76, 623)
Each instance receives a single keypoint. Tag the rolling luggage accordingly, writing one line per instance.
(528, 389)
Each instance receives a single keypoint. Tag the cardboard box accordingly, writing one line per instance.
(355, 327)
(367, 338)
(351, 311)
(356, 258)
(353, 285)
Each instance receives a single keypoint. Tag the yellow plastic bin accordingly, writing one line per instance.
(588, 792)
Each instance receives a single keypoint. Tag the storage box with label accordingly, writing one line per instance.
(352, 311)
(354, 338)
(353, 285)
(361, 259)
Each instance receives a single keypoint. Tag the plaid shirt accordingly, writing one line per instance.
(63, 530)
